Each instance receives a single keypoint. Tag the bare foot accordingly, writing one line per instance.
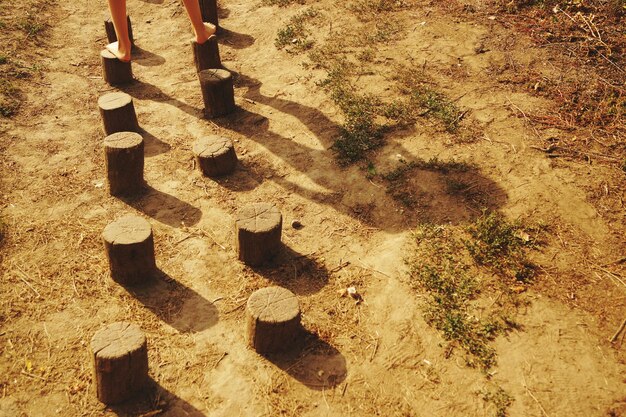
(209, 30)
(121, 54)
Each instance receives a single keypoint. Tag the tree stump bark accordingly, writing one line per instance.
(118, 113)
(120, 362)
(258, 233)
(114, 71)
(208, 8)
(206, 55)
(273, 320)
(110, 30)
(215, 155)
(217, 92)
(129, 246)
(123, 153)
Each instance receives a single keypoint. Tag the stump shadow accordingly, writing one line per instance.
(176, 304)
(321, 168)
(155, 400)
(315, 363)
(234, 39)
(152, 145)
(222, 12)
(246, 177)
(146, 58)
(164, 208)
(300, 274)
(145, 91)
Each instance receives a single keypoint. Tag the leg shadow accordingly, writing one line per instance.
(234, 39)
(146, 58)
(152, 145)
(145, 91)
(176, 304)
(300, 274)
(165, 208)
(247, 176)
(155, 401)
(317, 364)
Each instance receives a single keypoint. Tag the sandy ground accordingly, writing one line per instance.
(378, 357)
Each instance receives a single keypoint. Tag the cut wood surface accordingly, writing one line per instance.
(114, 71)
(129, 246)
(258, 232)
(120, 362)
(118, 113)
(124, 161)
(273, 320)
(217, 92)
(215, 155)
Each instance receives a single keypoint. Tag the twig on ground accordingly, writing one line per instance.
(617, 333)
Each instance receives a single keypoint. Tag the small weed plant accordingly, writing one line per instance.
(295, 36)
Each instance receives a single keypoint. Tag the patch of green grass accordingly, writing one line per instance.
(372, 8)
(31, 25)
(451, 285)
(439, 107)
(422, 99)
(499, 244)
(444, 268)
(294, 36)
(10, 98)
(500, 399)
(360, 133)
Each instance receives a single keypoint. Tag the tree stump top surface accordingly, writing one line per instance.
(214, 74)
(273, 305)
(211, 146)
(114, 100)
(123, 140)
(258, 217)
(127, 230)
(117, 340)
(105, 53)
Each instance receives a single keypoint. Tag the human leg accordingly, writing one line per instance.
(201, 29)
(121, 48)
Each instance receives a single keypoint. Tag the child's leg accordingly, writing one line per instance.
(201, 29)
(121, 48)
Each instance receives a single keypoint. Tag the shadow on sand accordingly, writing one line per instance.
(155, 400)
(176, 304)
(316, 363)
(164, 208)
(300, 274)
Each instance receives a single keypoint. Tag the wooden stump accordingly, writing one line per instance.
(215, 155)
(118, 113)
(206, 55)
(129, 246)
(208, 8)
(110, 30)
(258, 233)
(273, 320)
(217, 92)
(114, 71)
(123, 153)
(120, 362)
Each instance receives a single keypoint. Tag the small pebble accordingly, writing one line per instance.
(296, 224)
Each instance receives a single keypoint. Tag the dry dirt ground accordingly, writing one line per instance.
(376, 357)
